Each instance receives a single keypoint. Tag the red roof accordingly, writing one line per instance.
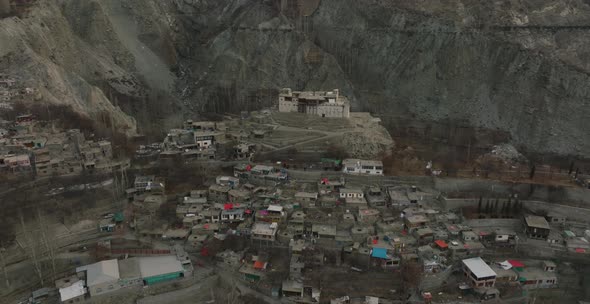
(259, 265)
(516, 263)
(441, 244)
(580, 250)
(228, 206)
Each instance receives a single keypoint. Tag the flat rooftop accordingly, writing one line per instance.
(479, 268)
(536, 221)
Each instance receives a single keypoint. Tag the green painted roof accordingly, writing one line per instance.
(119, 217)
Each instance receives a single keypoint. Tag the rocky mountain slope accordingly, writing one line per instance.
(515, 67)
(400, 61)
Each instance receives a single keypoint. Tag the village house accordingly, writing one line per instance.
(415, 221)
(239, 196)
(230, 181)
(306, 199)
(359, 166)
(219, 193)
(353, 197)
(148, 183)
(194, 200)
(469, 236)
(536, 227)
(20, 163)
(210, 215)
(323, 231)
(532, 278)
(262, 231)
(273, 214)
(479, 274)
(503, 273)
(368, 216)
(324, 104)
(376, 198)
(556, 218)
(205, 229)
(243, 150)
(326, 185)
(424, 235)
(232, 215)
(398, 197)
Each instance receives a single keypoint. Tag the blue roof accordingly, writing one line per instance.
(380, 253)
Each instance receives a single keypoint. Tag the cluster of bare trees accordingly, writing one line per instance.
(497, 209)
(39, 245)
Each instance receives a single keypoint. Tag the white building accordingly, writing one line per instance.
(72, 293)
(324, 104)
(360, 166)
(351, 193)
(479, 274)
(101, 277)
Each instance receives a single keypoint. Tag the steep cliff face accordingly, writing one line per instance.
(393, 61)
(444, 63)
(100, 57)
(43, 53)
(439, 71)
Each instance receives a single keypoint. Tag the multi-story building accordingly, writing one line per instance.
(537, 227)
(324, 104)
(480, 274)
(360, 166)
(264, 231)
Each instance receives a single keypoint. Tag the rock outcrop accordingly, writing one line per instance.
(518, 68)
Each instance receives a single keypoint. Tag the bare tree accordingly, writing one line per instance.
(49, 242)
(31, 247)
(228, 292)
(411, 275)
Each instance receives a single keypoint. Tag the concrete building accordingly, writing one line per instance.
(219, 193)
(532, 278)
(102, 277)
(360, 166)
(323, 231)
(306, 199)
(324, 104)
(159, 269)
(71, 289)
(264, 231)
(537, 227)
(480, 275)
(239, 196)
(232, 215)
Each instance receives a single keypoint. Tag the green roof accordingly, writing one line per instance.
(119, 217)
(331, 160)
